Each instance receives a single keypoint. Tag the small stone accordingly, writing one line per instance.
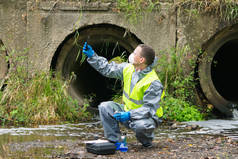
(188, 127)
(229, 140)
(195, 127)
(218, 140)
(174, 126)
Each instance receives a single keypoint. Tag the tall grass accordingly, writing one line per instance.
(227, 10)
(133, 10)
(37, 99)
(41, 99)
(176, 70)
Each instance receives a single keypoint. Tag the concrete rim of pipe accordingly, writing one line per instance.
(216, 65)
(4, 65)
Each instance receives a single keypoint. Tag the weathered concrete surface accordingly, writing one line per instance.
(49, 23)
(13, 24)
(12, 31)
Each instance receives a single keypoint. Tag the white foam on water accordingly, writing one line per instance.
(235, 114)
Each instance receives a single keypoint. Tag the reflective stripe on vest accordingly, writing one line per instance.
(134, 99)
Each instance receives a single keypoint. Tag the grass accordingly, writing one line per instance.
(35, 99)
(180, 86)
(133, 10)
(42, 99)
(227, 10)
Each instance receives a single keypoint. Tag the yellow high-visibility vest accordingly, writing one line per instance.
(134, 99)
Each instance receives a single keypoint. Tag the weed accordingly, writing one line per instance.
(37, 99)
(178, 85)
(227, 10)
(133, 10)
(172, 72)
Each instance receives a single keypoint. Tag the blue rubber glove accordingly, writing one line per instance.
(122, 116)
(88, 50)
(118, 144)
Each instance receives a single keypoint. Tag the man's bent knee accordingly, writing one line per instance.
(144, 125)
(104, 105)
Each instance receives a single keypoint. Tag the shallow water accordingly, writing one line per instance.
(46, 141)
(227, 127)
(217, 127)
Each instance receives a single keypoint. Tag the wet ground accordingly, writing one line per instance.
(199, 140)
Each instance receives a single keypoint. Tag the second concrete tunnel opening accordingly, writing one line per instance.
(224, 65)
(217, 70)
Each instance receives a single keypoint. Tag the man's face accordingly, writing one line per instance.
(138, 59)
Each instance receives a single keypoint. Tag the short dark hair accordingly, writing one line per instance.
(148, 53)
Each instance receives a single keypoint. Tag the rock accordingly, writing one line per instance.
(192, 127)
(174, 126)
(195, 127)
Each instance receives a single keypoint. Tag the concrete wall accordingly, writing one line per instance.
(41, 26)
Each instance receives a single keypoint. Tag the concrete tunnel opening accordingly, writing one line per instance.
(223, 70)
(217, 69)
(107, 40)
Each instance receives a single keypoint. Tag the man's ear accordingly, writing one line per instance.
(142, 60)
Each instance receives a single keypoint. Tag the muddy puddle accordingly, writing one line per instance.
(50, 141)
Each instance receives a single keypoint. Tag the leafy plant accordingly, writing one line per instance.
(176, 109)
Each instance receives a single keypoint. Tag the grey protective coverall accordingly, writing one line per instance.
(143, 120)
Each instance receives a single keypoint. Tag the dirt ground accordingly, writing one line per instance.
(187, 147)
(172, 141)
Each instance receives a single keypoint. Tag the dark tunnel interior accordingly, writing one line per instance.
(223, 71)
(88, 82)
